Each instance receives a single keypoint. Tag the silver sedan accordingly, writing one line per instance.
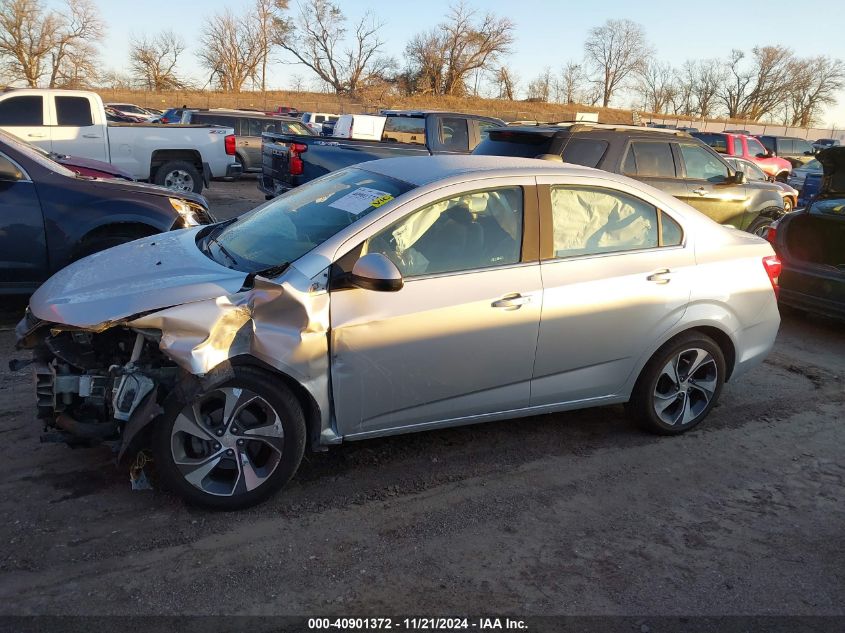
(398, 295)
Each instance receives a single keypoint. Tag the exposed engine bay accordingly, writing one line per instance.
(98, 386)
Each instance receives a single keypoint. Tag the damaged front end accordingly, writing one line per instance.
(94, 386)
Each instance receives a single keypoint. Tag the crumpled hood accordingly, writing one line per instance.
(833, 162)
(147, 274)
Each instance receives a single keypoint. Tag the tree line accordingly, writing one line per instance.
(465, 54)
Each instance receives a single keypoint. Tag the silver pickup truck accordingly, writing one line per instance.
(181, 157)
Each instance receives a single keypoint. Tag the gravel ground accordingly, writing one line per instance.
(574, 513)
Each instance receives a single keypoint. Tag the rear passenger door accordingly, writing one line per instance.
(653, 163)
(26, 117)
(616, 275)
(75, 132)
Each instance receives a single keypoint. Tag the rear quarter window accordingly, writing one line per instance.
(514, 144)
(584, 151)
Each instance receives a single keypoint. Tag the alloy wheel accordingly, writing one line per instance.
(685, 387)
(227, 442)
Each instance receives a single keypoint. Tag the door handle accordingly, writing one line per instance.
(700, 191)
(512, 301)
(36, 135)
(662, 276)
(91, 136)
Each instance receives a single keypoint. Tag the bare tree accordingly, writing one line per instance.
(266, 20)
(614, 51)
(569, 87)
(760, 87)
(815, 82)
(656, 86)
(540, 88)
(442, 60)
(505, 83)
(230, 49)
(315, 37)
(153, 60)
(56, 46)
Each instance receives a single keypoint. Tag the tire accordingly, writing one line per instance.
(204, 461)
(788, 204)
(763, 221)
(179, 175)
(240, 159)
(782, 176)
(666, 379)
(103, 242)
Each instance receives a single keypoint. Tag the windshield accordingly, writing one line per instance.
(36, 154)
(296, 222)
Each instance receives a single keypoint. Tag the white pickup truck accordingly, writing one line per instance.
(181, 157)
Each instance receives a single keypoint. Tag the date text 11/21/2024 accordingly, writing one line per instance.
(418, 624)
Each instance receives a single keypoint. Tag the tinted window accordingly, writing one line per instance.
(718, 142)
(471, 231)
(453, 134)
(589, 221)
(702, 165)
(514, 144)
(737, 146)
(404, 129)
(584, 151)
(74, 111)
(768, 142)
(785, 147)
(755, 148)
(650, 159)
(802, 146)
(23, 110)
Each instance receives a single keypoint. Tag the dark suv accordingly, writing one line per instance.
(796, 150)
(669, 160)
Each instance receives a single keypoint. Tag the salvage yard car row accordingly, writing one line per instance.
(399, 284)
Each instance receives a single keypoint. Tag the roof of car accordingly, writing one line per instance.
(421, 170)
(552, 129)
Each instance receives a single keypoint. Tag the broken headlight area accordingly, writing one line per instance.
(96, 386)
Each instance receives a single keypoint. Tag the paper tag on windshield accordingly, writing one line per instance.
(361, 199)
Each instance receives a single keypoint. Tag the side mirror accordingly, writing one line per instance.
(739, 177)
(374, 271)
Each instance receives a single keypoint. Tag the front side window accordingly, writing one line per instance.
(702, 165)
(467, 232)
(73, 111)
(650, 159)
(755, 148)
(803, 147)
(591, 221)
(404, 129)
(23, 110)
(484, 128)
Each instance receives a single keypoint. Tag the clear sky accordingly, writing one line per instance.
(548, 33)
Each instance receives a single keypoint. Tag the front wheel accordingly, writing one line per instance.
(787, 204)
(179, 175)
(232, 444)
(679, 385)
(760, 225)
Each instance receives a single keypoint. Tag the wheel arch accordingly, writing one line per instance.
(161, 157)
(134, 229)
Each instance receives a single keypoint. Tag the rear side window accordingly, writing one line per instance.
(507, 143)
(453, 134)
(802, 147)
(484, 128)
(737, 146)
(591, 221)
(584, 151)
(786, 146)
(650, 159)
(404, 129)
(73, 111)
(23, 110)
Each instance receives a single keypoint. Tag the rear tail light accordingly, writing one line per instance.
(295, 166)
(773, 268)
(230, 144)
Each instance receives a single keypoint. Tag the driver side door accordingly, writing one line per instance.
(710, 187)
(458, 341)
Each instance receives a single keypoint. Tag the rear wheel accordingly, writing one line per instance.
(233, 444)
(787, 204)
(679, 385)
(762, 222)
(179, 175)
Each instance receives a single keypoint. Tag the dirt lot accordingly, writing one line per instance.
(574, 513)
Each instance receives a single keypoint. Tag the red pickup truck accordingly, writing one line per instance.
(749, 148)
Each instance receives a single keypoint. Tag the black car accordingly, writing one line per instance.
(51, 216)
(669, 160)
(811, 244)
